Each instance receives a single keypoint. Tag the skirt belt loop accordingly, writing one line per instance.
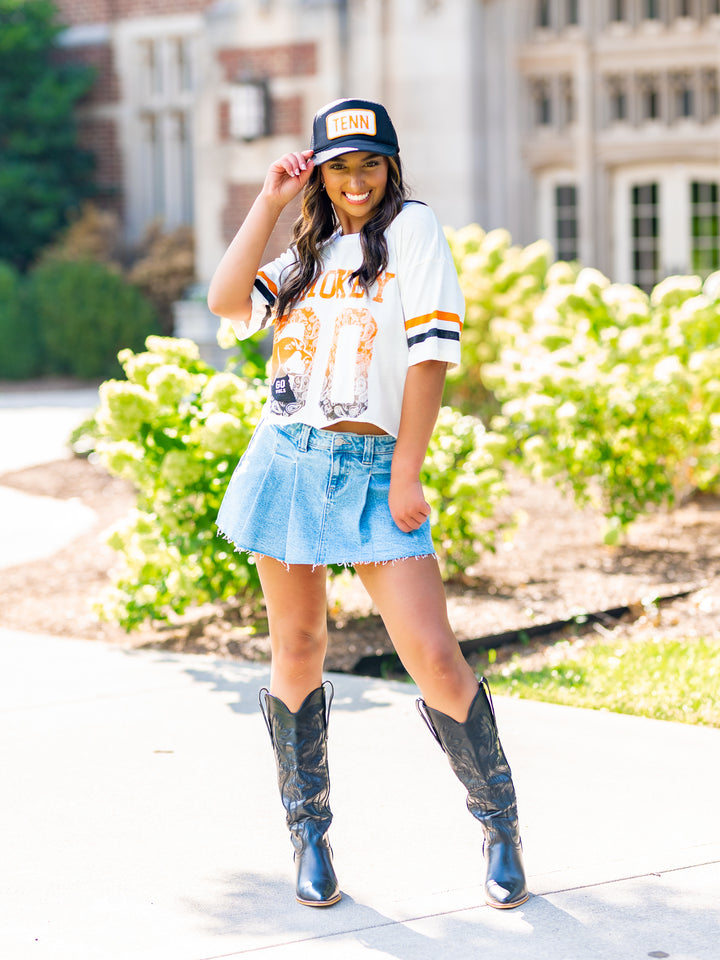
(304, 438)
(368, 449)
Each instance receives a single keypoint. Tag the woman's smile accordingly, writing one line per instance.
(358, 197)
(355, 184)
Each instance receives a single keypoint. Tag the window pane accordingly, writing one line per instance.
(705, 226)
(645, 234)
(543, 13)
(566, 222)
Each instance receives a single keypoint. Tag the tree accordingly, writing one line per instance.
(43, 172)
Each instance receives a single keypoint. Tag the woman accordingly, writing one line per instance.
(367, 312)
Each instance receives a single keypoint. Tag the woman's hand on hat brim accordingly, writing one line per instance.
(288, 175)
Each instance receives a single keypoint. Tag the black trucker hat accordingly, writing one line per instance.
(347, 125)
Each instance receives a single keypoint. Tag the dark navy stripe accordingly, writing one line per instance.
(435, 332)
(264, 291)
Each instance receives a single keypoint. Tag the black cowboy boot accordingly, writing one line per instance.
(476, 756)
(300, 744)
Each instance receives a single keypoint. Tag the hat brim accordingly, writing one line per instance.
(353, 146)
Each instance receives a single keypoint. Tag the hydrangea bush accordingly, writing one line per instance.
(600, 387)
(613, 392)
(464, 481)
(176, 428)
(498, 279)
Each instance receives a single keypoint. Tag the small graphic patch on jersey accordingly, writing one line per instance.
(344, 123)
(282, 391)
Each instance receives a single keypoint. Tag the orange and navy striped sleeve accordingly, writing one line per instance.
(265, 291)
(432, 303)
(439, 323)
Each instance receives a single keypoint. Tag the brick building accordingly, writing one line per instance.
(594, 123)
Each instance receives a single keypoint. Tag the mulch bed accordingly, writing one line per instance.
(556, 568)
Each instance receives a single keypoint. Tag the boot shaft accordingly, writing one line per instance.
(476, 756)
(300, 745)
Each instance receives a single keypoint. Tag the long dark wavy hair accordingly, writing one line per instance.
(317, 223)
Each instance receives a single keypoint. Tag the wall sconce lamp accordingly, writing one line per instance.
(250, 109)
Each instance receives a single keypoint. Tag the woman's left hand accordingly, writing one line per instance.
(408, 505)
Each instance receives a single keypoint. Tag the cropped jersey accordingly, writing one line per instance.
(342, 354)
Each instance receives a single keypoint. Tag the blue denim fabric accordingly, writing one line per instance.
(303, 495)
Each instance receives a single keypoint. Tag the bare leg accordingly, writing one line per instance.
(296, 603)
(411, 599)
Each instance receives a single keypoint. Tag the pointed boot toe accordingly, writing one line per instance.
(317, 884)
(505, 886)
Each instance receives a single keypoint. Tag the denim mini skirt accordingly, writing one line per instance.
(310, 496)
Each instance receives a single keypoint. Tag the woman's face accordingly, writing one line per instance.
(355, 183)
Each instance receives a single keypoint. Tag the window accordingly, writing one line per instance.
(250, 110)
(684, 95)
(650, 98)
(618, 12)
(542, 103)
(566, 222)
(567, 99)
(153, 164)
(151, 78)
(651, 9)
(544, 14)
(572, 13)
(618, 99)
(645, 214)
(163, 98)
(704, 223)
(710, 94)
(181, 160)
(181, 64)
(619, 105)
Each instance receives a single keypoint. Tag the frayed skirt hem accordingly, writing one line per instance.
(252, 551)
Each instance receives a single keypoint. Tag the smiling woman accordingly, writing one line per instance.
(355, 184)
(367, 312)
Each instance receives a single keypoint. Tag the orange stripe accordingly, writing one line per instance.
(268, 282)
(436, 315)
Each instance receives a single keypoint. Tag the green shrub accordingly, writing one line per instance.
(44, 173)
(86, 314)
(20, 350)
(464, 481)
(615, 393)
(176, 429)
(165, 269)
(498, 280)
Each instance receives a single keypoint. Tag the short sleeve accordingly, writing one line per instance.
(433, 304)
(264, 294)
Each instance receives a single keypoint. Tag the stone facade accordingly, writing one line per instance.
(621, 133)
(594, 123)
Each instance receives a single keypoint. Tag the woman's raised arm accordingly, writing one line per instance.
(232, 282)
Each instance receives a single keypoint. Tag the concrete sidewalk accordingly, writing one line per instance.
(35, 428)
(141, 820)
(35, 425)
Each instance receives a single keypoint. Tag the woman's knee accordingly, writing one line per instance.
(296, 645)
(441, 660)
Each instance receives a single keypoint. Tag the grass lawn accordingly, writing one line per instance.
(664, 679)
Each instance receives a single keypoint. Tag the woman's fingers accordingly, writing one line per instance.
(288, 175)
(295, 164)
(410, 516)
